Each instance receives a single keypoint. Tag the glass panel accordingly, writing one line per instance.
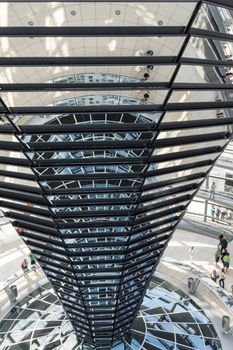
(8, 137)
(171, 186)
(93, 98)
(193, 132)
(206, 48)
(88, 184)
(95, 240)
(200, 96)
(12, 180)
(92, 196)
(176, 174)
(85, 74)
(90, 46)
(189, 147)
(214, 18)
(93, 231)
(92, 118)
(89, 154)
(160, 201)
(12, 155)
(184, 161)
(97, 136)
(88, 170)
(202, 74)
(198, 115)
(16, 169)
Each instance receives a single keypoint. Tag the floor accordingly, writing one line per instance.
(12, 251)
(203, 253)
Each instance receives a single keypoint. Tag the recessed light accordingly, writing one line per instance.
(30, 23)
(73, 13)
(160, 23)
(117, 12)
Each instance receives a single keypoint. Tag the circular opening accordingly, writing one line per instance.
(117, 12)
(30, 23)
(73, 13)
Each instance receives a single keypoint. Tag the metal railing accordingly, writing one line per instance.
(16, 280)
(223, 296)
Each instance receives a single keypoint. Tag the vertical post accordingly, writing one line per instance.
(205, 210)
(207, 182)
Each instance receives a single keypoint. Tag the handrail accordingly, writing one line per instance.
(13, 278)
(222, 294)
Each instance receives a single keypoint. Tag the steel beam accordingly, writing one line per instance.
(140, 85)
(199, 123)
(94, 61)
(85, 61)
(92, 31)
(87, 128)
(110, 31)
(171, 107)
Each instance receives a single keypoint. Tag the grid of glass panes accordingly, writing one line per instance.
(97, 207)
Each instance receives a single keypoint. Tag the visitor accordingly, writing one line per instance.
(32, 259)
(24, 267)
(222, 279)
(220, 114)
(212, 190)
(150, 66)
(146, 76)
(145, 97)
(223, 243)
(139, 53)
(224, 252)
(228, 75)
(143, 53)
(217, 213)
(229, 215)
(191, 253)
(214, 276)
(226, 260)
(212, 212)
(223, 213)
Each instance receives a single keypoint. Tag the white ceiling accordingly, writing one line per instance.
(94, 14)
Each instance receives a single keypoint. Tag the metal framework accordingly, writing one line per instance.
(98, 201)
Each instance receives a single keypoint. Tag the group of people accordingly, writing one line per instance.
(220, 213)
(24, 264)
(223, 255)
(145, 69)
